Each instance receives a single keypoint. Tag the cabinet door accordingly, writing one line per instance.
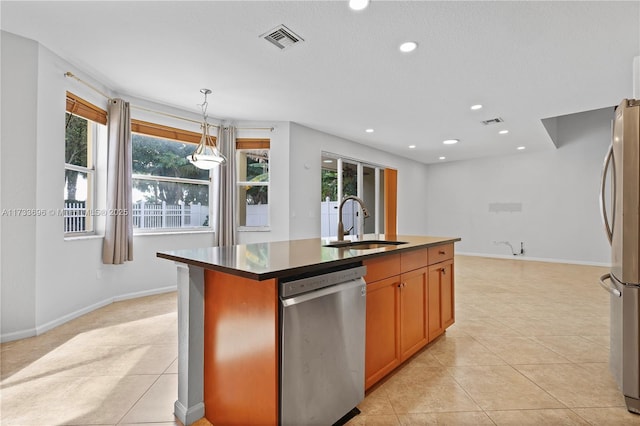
(382, 347)
(413, 312)
(435, 298)
(447, 294)
(441, 302)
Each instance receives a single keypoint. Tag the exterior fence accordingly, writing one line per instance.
(329, 218)
(75, 216)
(145, 215)
(163, 215)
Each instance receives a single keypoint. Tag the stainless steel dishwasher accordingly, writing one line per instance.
(322, 347)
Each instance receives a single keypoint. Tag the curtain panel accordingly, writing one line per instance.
(226, 223)
(117, 246)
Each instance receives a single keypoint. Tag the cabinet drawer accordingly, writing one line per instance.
(414, 259)
(440, 253)
(382, 267)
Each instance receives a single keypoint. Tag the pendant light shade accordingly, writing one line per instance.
(206, 155)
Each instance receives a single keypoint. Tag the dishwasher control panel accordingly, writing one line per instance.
(316, 282)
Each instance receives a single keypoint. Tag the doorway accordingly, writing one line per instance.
(341, 176)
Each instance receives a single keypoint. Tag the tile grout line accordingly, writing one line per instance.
(139, 399)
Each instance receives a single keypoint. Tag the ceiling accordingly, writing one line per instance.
(523, 61)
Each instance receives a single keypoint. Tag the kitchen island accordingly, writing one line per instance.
(229, 320)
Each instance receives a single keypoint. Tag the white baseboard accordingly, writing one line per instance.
(23, 334)
(68, 317)
(17, 335)
(144, 293)
(534, 259)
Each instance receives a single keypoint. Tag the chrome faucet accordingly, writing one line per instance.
(365, 212)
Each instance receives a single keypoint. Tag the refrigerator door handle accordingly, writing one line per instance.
(603, 205)
(613, 291)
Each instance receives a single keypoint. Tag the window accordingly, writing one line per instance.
(82, 124)
(168, 191)
(252, 159)
(341, 177)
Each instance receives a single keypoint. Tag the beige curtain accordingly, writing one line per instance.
(226, 223)
(117, 247)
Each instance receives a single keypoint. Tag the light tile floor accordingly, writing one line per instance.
(529, 347)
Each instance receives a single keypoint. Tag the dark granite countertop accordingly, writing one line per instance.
(261, 261)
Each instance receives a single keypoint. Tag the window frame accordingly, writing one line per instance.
(94, 116)
(250, 144)
(175, 135)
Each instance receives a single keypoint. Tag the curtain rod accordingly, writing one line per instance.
(90, 86)
(95, 89)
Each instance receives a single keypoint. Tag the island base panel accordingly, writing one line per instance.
(240, 350)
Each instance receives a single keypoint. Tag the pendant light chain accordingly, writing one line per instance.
(206, 155)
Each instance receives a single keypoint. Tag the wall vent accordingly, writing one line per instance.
(492, 121)
(282, 37)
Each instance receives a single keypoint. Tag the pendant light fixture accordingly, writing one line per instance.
(206, 155)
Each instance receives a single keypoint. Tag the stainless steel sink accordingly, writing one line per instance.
(365, 245)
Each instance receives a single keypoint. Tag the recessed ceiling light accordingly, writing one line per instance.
(503, 132)
(476, 107)
(408, 46)
(327, 161)
(369, 130)
(412, 146)
(521, 148)
(450, 141)
(442, 158)
(358, 4)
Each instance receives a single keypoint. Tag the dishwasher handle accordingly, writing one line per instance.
(613, 291)
(305, 297)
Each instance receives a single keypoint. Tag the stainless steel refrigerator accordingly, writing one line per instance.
(622, 224)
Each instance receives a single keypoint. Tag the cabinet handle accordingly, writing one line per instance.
(444, 271)
(441, 252)
(402, 285)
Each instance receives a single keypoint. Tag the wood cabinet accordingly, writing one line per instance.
(435, 312)
(447, 302)
(382, 330)
(409, 303)
(397, 318)
(440, 293)
(413, 312)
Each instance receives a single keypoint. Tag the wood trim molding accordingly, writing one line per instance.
(173, 133)
(390, 202)
(253, 143)
(166, 132)
(85, 109)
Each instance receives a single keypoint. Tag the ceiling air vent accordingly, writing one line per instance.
(492, 121)
(282, 37)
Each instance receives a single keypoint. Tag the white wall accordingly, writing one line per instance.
(18, 234)
(558, 190)
(306, 147)
(47, 280)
